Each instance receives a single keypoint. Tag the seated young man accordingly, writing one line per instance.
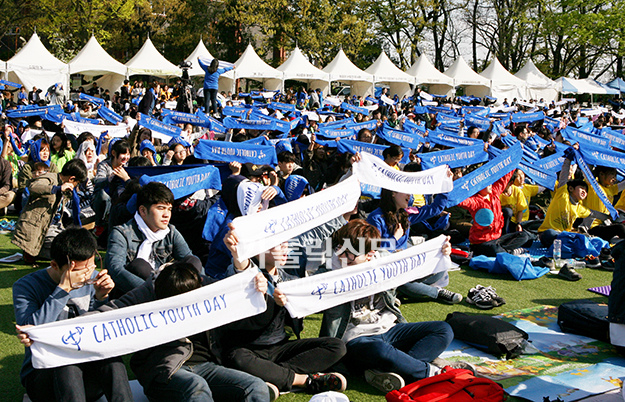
(57, 293)
(188, 369)
(566, 205)
(391, 351)
(46, 194)
(105, 185)
(147, 241)
(486, 233)
(259, 345)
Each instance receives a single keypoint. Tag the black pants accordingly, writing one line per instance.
(505, 244)
(608, 232)
(80, 382)
(279, 363)
(210, 100)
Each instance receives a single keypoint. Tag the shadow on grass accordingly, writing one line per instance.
(10, 387)
(559, 301)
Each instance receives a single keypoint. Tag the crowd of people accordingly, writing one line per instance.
(78, 193)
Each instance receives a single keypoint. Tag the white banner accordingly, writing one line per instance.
(316, 293)
(76, 128)
(264, 230)
(129, 329)
(372, 170)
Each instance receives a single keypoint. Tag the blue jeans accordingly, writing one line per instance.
(207, 382)
(101, 206)
(406, 349)
(548, 236)
(422, 287)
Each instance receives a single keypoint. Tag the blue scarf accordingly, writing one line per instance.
(617, 140)
(229, 122)
(355, 109)
(370, 191)
(92, 99)
(581, 163)
(521, 117)
(76, 208)
(33, 152)
(187, 181)
(159, 126)
(401, 138)
(551, 124)
(109, 115)
(478, 121)
(25, 111)
(281, 125)
(294, 187)
(11, 84)
(551, 163)
(286, 107)
(215, 218)
(574, 135)
(260, 140)
(602, 157)
(174, 117)
(450, 140)
(76, 117)
(369, 125)
(539, 176)
(236, 151)
(448, 118)
(236, 111)
(455, 157)
(215, 125)
(283, 145)
(494, 170)
(438, 109)
(415, 128)
(353, 147)
(478, 110)
(336, 133)
(147, 144)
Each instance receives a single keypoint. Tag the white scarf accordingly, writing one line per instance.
(145, 249)
(129, 329)
(316, 293)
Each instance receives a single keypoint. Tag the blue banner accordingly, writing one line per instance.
(539, 176)
(327, 143)
(574, 135)
(455, 157)
(439, 109)
(369, 125)
(336, 123)
(281, 125)
(11, 84)
(214, 124)
(603, 157)
(488, 174)
(449, 140)
(617, 139)
(551, 124)
(477, 121)
(336, 133)
(260, 140)
(174, 117)
(92, 99)
(187, 181)
(285, 107)
(478, 110)
(229, 122)
(415, 128)
(353, 147)
(552, 163)
(401, 138)
(236, 151)
(355, 109)
(158, 126)
(109, 115)
(448, 118)
(236, 111)
(521, 117)
(76, 117)
(371, 191)
(590, 178)
(26, 111)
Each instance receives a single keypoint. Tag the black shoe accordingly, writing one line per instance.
(322, 382)
(592, 261)
(480, 299)
(544, 262)
(497, 300)
(385, 382)
(608, 265)
(569, 273)
(606, 253)
(448, 296)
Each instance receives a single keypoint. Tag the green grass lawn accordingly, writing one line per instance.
(546, 290)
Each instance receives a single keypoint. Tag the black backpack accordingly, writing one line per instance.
(585, 317)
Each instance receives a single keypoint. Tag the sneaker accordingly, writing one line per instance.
(322, 382)
(385, 382)
(608, 264)
(606, 253)
(592, 261)
(448, 296)
(569, 273)
(442, 363)
(274, 392)
(497, 300)
(480, 299)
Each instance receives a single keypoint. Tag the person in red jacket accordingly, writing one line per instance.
(485, 234)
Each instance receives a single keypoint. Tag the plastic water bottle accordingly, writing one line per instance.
(557, 253)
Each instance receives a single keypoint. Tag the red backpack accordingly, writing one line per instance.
(457, 385)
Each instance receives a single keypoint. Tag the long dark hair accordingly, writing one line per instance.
(392, 215)
(214, 66)
(63, 148)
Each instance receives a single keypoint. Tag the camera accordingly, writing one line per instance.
(185, 65)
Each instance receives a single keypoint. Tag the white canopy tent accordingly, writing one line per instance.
(199, 51)
(464, 76)
(148, 61)
(343, 70)
(298, 68)
(251, 66)
(35, 66)
(425, 73)
(582, 86)
(502, 83)
(385, 71)
(93, 60)
(538, 84)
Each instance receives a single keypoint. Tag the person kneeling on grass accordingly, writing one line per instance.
(57, 293)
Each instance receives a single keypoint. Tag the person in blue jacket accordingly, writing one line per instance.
(211, 83)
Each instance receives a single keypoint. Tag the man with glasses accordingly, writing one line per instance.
(70, 287)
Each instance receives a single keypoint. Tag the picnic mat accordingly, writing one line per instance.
(602, 290)
(565, 366)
